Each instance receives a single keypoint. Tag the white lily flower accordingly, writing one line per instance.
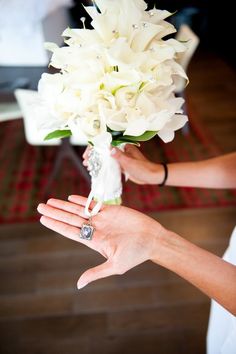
(50, 46)
(129, 18)
(104, 26)
(163, 75)
(115, 80)
(121, 54)
(156, 16)
(65, 58)
(144, 35)
(145, 103)
(176, 45)
(81, 37)
(137, 127)
(177, 69)
(158, 120)
(87, 76)
(168, 28)
(50, 86)
(160, 52)
(167, 134)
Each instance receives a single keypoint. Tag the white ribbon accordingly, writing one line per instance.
(106, 186)
(95, 209)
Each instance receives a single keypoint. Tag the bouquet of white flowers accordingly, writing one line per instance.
(115, 84)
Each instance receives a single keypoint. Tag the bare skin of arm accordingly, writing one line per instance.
(209, 273)
(133, 238)
(218, 172)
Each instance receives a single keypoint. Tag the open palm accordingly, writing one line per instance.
(123, 236)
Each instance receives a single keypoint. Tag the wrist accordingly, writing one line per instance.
(165, 247)
(157, 174)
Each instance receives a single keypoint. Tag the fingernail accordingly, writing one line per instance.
(80, 286)
(40, 206)
(113, 151)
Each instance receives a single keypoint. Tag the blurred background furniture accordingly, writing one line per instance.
(185, 34)
(23, 31)
(23, 59)
(9, 111)
(30, 105)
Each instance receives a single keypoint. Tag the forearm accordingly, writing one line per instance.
(212, 275)
(219, 172)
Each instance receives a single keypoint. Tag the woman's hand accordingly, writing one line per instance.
(127, 238)
(134, 165)
(123, 236)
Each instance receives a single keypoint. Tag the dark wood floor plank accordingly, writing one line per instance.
(169, 317)
(85, 301)
(180, 341)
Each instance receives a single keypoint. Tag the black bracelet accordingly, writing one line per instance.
(165, 176)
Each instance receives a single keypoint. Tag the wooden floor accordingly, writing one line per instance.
(148, 310)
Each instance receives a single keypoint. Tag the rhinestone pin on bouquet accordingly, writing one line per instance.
(115, 84)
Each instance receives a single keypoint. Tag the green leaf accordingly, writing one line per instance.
(144, 137)
(183, 41)
(113, 92)
(58, 134)
(119, 142)
(116, 201)
(142, 85)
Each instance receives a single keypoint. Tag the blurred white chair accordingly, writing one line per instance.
(25, 26)
(185, 34)
(30, 105)
(9, 111)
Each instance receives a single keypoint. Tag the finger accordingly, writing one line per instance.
(124, 160)
(133, 151)
(101, 271)
(86, 152)
(77, 199)
(72, 233)
(67, 206)
(66, 230)
(60, 215)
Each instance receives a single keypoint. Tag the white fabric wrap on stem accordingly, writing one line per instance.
(107, 185)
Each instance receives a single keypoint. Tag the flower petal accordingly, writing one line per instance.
(144, 36)
(137, 127)
(166, 135)
(177, 122)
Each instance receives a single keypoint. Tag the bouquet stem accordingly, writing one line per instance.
(106, 183)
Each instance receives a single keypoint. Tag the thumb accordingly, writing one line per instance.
(101, 271)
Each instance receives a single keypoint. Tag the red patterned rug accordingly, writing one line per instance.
(25, 170)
